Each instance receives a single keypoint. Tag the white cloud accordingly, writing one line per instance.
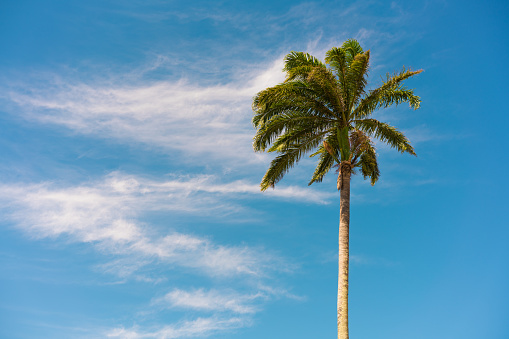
(188, 329)
(230, 310)
(109, 214)
(212, 300)
(197, 120)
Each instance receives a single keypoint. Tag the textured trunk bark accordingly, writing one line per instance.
(344, 225)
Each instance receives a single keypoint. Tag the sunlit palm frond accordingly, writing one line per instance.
(357, 78)
(385, 133)
(336, 59)
(298, 64)
(391, 92)
(323, 81)
(351, 48)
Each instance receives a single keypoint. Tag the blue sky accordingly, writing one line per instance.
(130, 205)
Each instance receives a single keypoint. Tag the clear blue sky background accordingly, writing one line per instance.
(129, 190)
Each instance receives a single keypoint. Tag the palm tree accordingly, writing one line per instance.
(326, 108)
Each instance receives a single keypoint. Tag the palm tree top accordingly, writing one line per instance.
(325, 108)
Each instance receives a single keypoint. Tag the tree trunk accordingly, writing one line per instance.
(344, 225)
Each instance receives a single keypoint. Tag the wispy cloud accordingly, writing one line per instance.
(228, 308)
(211, 300)
(188, 329)
(109, 214)
(199, 121)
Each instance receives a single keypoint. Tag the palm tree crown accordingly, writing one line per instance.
(326, 107)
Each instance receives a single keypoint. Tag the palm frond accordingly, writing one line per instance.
(322, 80)
(287, 97)
(297, 63)
(351, 48)
(283, 162)
(336, 58)
(309, 109)
(391, 92)
(385, 133)
(298, 134)
(357, 78)
(284, 126)
(325, 162)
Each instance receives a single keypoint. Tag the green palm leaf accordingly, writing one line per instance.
(385, 133)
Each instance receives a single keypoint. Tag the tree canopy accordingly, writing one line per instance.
(326, 109)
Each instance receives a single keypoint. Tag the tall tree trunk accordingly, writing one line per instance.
(344, 225)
